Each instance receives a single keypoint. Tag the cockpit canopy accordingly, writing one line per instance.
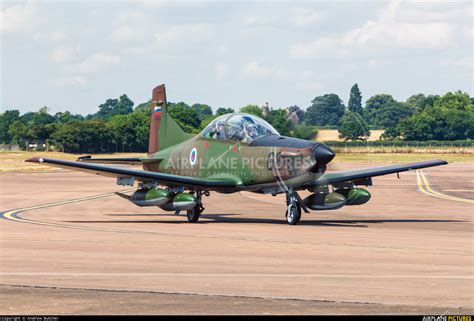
(238, 127)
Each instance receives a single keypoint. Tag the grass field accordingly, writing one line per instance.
(333, 135)
(14, 161)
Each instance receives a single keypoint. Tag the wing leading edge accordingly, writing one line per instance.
(341, 177)
(146, 176)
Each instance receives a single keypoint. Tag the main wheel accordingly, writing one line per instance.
(293, 214)
(193, 215)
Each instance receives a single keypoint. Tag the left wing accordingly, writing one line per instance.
(145, 176)
(351, 176)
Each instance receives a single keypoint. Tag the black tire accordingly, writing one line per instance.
(194, 214)
(294, 215)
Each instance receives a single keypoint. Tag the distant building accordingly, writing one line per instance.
(266, 110)
(295, 114)
(9, 147)
(39, 145)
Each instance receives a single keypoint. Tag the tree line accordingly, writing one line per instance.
(118, 126)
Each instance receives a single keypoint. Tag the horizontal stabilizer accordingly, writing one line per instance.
(118, 161)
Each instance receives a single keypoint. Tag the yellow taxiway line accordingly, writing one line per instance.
(13, 214)
(425, 187)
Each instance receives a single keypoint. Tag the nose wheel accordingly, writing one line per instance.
(293, 211)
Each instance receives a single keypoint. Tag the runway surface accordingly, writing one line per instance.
(68, 245)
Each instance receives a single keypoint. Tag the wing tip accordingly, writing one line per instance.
(440, 161)
(35, 159)
(84, 158)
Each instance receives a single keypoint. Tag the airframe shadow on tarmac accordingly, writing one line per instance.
(234, 218)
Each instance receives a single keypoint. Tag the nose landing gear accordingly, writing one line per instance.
(293, 211)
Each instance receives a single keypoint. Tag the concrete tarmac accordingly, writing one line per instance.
(409, 250)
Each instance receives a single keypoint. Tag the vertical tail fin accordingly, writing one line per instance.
(164, 131)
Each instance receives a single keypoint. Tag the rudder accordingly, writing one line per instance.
(164, 131)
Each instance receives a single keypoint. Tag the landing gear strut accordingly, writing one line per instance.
(194, 214)
(293, 212)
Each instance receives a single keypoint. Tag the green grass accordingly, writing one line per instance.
(14, 161)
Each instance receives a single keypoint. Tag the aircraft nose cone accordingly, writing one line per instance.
(323, 154)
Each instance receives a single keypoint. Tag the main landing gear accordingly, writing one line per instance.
(194, 213)
(293, 211)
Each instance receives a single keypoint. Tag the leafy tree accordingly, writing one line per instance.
(355, 100)
(18, 130)
(450, 118)
(89, 136)
(121, 106)
(253, 110)
(325, 110)
(27, 118)
(203, 111)
(6, 119)
(437, 124)
(41, 132)
(374, 103)
(35, 127)
(457, 100)
(279, 120)
(66, 117)
(185, 116)
(130, 132)
(420, 101)
(222, 111)
(391, 133)
(389, 114)
(353, 127)
(144, 108)
(107, 109)
(41, 119)
(304, 131)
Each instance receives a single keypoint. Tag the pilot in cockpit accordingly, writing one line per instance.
(251, 132)
(220, 130)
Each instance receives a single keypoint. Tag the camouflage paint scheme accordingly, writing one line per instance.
(268, 163)
(221, 160)
(213, 157)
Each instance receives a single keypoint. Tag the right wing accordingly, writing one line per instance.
(144, 176)
(359, 174)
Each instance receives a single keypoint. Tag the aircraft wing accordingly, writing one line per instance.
(141, 175)
(360, 174)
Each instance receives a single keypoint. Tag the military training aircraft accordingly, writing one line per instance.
(235, 152)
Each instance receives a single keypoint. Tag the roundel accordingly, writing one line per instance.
(193, 156)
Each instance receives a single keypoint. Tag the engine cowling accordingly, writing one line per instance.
(355, 196)
(325, 201)
(150, 197)
(181, 201)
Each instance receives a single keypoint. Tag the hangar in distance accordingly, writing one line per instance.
(235, 152)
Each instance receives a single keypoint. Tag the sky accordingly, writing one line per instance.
(74, 55)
